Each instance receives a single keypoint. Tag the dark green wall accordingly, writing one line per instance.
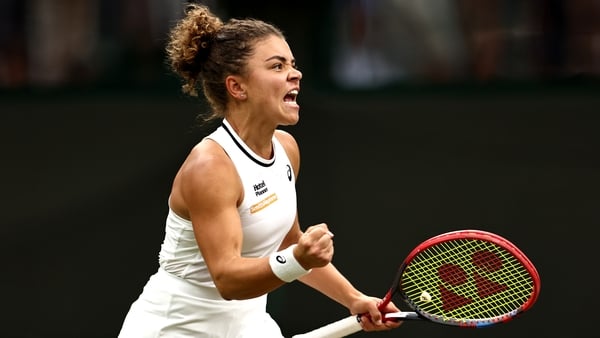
(85, 178)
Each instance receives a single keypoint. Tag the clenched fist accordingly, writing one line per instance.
(315, 247)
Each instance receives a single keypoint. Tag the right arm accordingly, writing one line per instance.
(207, 190)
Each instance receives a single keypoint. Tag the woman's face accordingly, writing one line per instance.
(273, 82)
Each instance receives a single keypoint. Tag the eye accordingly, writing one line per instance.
(278, 66)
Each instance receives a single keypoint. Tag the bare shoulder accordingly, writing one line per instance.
(291, 147)
(207, 175)
(287, 140)
(207, 157)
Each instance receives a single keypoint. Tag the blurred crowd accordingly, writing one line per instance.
(65, 42)
(379, 42)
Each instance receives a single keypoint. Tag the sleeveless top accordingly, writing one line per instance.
(267, 211)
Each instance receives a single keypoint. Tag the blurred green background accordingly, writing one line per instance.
(417, 117)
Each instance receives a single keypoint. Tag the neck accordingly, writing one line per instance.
(255, 136)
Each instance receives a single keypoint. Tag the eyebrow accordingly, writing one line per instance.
(280, 58)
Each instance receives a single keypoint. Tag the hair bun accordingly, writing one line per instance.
(190, 43)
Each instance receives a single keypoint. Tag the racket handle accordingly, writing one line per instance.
(350, 325)
(340, 328)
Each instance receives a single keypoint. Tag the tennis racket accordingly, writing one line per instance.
(465, 278)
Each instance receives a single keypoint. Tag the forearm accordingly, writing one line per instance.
(245, 278)
(252, 277)
(330, 282)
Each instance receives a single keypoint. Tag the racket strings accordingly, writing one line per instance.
(466, 279)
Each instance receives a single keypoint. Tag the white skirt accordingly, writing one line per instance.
(170, 306)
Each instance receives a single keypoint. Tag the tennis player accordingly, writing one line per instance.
(232, 233)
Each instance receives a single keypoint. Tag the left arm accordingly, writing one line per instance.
(327, 279)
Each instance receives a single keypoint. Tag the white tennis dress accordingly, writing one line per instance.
(180, 299)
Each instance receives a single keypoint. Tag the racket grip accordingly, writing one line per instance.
(340, 328)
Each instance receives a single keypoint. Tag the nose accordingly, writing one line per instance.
(295, 74)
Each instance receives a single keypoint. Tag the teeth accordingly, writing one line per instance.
(291, 96)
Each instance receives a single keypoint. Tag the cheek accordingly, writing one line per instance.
(266, 88)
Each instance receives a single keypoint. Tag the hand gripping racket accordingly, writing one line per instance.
(465, 278)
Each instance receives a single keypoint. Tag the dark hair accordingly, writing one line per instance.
(203, 48)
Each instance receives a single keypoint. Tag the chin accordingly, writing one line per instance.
(294, 121)
(291, 123)
(290, 120)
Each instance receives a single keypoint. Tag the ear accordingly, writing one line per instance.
(235, 87)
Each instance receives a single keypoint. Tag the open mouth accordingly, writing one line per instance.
(290, 97)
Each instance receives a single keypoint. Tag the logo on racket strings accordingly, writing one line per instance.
(455, 275)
